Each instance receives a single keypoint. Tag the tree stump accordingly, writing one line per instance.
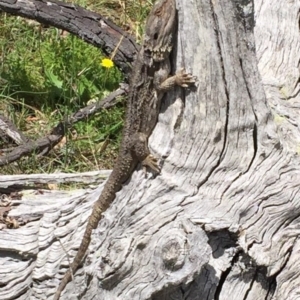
(221, 221)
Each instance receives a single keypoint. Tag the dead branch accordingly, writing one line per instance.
(89, 26)
(43, 145)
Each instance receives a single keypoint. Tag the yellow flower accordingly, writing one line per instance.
(107, 63)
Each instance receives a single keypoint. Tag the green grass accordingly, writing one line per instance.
(47, 74)
(130, 14)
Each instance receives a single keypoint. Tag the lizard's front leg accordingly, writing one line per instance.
(140, 141)
(139, 146)
(181, 78)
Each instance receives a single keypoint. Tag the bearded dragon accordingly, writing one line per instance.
(149, 81)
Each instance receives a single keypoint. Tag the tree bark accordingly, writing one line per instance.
(221, 221)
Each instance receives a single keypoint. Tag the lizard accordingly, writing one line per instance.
(149, 82)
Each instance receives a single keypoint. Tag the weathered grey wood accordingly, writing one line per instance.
(9, 129)
(55, 178)
(221, 221)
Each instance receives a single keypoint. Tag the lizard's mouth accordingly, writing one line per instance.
(156, 56)
(161, 54)
(160, 51)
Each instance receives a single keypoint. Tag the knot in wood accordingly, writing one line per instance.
(174, 253)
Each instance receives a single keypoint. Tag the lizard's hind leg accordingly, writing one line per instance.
(141, 151)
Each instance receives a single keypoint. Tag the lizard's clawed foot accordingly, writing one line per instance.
(151, 162)
(184, 79)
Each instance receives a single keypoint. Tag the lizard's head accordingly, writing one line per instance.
(160, 30)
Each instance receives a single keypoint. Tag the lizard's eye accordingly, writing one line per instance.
(148, 52)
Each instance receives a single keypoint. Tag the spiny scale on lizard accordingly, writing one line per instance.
(149, 82)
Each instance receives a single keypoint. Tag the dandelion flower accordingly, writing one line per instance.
(107, 63)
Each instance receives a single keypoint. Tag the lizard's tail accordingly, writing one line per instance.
(113, 185)
(77, 260)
